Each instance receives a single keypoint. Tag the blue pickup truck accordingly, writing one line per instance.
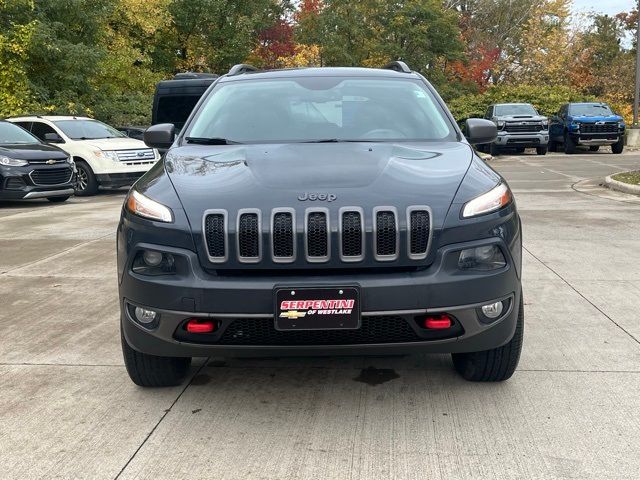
(589, 124)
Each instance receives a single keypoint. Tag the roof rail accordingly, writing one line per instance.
(398, 66)
(193, 75)
(241, 68)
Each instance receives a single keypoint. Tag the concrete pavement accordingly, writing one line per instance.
(572, 410)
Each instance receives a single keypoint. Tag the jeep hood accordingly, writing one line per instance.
(358, 174)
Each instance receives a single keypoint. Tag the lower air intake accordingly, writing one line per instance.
(260, 331)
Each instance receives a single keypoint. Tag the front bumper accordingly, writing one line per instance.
(16, 183)
(393, 297)
(526, 140)
(595, 139)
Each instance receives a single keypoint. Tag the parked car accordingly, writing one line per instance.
(320, 211)
(136, 132)
(174, 99)
(520, 126)
(103, 155)
(31, 169)
(590, 124)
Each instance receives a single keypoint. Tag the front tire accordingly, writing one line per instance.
(495, 365)
(152, 371)
(541, 150)
(58, 199)
(494, 150)
(553, 146)
(569, 145)
(618, 147)
(87, 183)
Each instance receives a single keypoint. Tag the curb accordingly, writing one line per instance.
(621, 186)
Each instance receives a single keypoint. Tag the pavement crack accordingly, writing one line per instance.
(166, 412)
(582, 295)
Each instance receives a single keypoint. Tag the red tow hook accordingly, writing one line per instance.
(198, 325)
(437, 322)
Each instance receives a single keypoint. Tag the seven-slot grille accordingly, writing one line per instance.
(601, 128)
(136, 155)
(527, 128)
(316, 231)
(51, 176)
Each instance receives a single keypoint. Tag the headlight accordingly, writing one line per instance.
(484, 258)
(12, 162)
(108, 154)
(500, 124)
(70, 161)
(144, 207)
(488, 202)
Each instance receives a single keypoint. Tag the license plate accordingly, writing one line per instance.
(317, 308)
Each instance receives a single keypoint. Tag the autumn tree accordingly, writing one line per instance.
(16, 29)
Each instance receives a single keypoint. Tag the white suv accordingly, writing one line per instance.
(103, 155)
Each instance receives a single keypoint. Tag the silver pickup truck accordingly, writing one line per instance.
(520, 126)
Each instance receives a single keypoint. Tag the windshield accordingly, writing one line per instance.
(13, 134)
(316, 109)
(590, 110)
(87, 129)
(502, 110)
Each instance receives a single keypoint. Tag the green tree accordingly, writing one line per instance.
(216, 34)
(373, 32)
(16, 29)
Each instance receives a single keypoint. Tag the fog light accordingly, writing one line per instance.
(152, 258)
(493, 310)
(145, 316)
(152, 262)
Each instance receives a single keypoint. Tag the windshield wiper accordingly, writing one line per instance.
(211, 141)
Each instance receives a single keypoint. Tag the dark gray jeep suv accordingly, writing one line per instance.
(320, 211)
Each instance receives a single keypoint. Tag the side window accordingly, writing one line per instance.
(489, 113)
(25, 125)
(40, 129)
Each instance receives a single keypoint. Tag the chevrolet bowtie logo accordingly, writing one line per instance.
(50, 162)
(292, 314)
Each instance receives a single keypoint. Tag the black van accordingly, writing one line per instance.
(174, 99)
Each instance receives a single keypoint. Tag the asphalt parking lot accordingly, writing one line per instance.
(572, 410)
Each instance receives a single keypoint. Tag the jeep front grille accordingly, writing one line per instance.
(283, 236)
(215, 228)
(352, 231)
(248, 235)
(350, 235)
(385, 234)
(419, 233)
(317, 236)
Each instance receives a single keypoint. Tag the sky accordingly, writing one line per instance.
(603, 6)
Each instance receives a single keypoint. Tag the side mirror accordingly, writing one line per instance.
(53, 138)
(160, 136)
(479, 131)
